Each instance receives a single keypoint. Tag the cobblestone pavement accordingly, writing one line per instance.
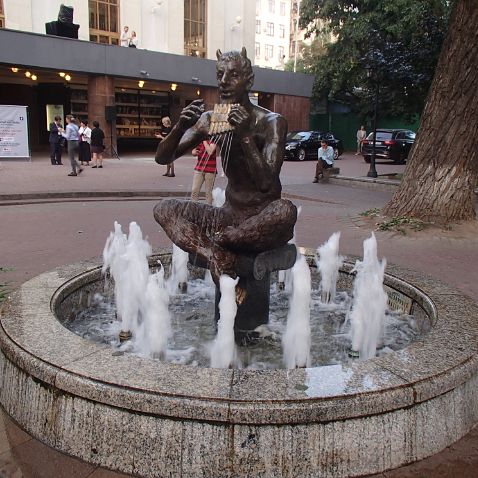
(49, 219)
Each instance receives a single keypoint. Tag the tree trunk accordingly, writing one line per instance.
(442, 169)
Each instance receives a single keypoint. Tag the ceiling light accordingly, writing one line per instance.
(67, 77)
(15, 70)
(154, 91)
(62, 74)
(141, 84)
(28, 74)
(198, 92)
(173, 86)
(34, 77)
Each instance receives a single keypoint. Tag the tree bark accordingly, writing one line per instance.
(442, 169)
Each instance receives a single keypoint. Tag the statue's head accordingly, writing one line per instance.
(234, 75)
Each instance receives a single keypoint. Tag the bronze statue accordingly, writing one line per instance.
(254, 219)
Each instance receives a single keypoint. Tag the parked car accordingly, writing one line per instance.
(302, 145)
(394, 144)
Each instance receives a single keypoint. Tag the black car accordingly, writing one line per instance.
(393, 144)
(301, 145)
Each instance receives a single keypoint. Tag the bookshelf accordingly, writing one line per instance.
(139, 112)
(79, 101)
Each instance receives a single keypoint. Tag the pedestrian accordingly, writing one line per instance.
(205, 170)
(133, 41)
(361, 135)
(325, 160)
(85, 141)
(124, 39)
(97, 146)
(55, 141)
(73, 138)
(164, 130)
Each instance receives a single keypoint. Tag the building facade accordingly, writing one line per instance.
(272, 33)
(129, 90)
(183, 27)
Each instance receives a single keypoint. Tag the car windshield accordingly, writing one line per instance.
(298, 135)
(381, 136)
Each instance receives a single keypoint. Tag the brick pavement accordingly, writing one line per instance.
(65, 220)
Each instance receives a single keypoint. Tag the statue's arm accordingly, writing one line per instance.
(265, 165)
(190, 130)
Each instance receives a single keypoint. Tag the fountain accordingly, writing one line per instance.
(139, 415)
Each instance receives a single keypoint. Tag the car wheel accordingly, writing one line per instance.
(402, 159)
(336, 154)
(301, 154)
(367, 159)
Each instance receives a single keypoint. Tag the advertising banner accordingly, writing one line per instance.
(14, 132)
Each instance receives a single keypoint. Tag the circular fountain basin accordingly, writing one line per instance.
(143, 417)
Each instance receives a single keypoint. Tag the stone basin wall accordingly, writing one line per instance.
(153, 419)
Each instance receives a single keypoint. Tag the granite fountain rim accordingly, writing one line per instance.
(445, 358)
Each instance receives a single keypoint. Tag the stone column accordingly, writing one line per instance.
(101, 93)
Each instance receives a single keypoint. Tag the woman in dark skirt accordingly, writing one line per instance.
(97, 147)
(85, 140)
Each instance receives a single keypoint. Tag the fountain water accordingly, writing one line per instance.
(369, 302)
(328, 263)
(155, 329)
(178, 278)
(296, 339)
(223, 352)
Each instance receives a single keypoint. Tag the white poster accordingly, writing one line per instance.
(14, 132)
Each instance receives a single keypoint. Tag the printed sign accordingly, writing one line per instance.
(14, 132)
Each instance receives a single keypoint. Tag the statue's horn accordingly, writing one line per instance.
(244, 52)
(218, 54)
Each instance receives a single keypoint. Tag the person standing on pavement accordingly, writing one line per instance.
(97, 146)
(85, 140)
(54, 139)
(73, 137)
(205, 170)
(163, 132)
(361, 135)
(325, 160)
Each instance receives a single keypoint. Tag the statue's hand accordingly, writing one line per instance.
(190, 115)
(239, 118)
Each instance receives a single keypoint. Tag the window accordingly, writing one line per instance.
(270, 29)
(282, 8)
(2, 15)
(280, 55)
(104, 21)
(272, 6)
(281, 31)
(258, 7)
(269, 52)
(258, 26)
(195, 28)
(258, 50)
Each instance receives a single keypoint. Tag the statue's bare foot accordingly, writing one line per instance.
(222, 262)
(240, 295)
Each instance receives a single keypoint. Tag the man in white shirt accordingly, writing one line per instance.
(124, 41)
(325, 160)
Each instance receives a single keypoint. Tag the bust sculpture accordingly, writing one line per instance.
(64, 26)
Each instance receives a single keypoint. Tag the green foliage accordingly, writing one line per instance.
(400, 224)
(371, 212)
(400, 39)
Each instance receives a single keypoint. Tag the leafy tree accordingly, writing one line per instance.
(442, 169)
(400, 39)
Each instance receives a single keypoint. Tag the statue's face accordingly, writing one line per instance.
(232, 81)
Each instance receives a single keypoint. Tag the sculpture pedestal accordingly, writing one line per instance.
(254, 273)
